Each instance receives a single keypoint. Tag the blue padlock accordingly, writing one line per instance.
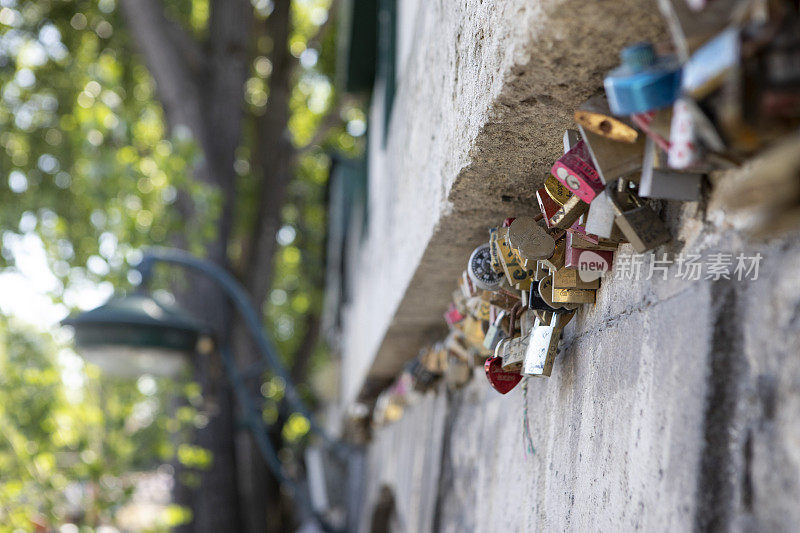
(643, 82)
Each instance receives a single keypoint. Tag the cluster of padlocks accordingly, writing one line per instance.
(664, 123)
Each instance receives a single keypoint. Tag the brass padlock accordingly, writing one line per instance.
(530, 240)
(595, 116)
(640, 225)
(569, 278)
(569, 213)
(556, 191)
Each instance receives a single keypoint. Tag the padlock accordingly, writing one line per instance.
(542, 348)
(641, 225)
(569, 213)
(760, 99)
(643, 81)
(709, 65)
(480, 271)
(535, 301)
(684, 150)
(568, 278)
(601, 214)
(466, 285)
(514, 353)
(478, 308)
(571, 138)
(588, 242)
(547, 205)
(530, 240)
(501, 380)
(573, 296)
(656, 125)
(555, 261)
(574, 169)
(514, 271)
(613, 159)
(526, 320)
(595, 116)
(557, 192)
(584, 260)
(546, 293)
(453, 316)
(495, 332)
(665, 183)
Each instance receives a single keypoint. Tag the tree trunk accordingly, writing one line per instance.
(272, 162)
(204, 93)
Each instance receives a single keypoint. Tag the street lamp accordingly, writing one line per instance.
(136, 334)
(133, 335)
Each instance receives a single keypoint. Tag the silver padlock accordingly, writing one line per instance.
(571, 138)
(495, 333)
(665, 183)
(542, 348)
(640, 225)
(613, 159)
(601, 215)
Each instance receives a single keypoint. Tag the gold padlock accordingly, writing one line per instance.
(569, 213)
(569, 278)
(595, 116)
(574, 296)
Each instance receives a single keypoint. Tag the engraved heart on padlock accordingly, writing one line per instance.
(501, 380)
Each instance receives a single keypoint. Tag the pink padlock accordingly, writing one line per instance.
(452, 316)
(575, 170)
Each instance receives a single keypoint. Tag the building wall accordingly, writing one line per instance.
(674, 404)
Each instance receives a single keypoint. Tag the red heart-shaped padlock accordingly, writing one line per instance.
(502, 380)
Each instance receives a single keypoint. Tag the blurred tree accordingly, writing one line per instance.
(220, 151)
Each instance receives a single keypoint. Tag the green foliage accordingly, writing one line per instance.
(86, 165)
(85, 438)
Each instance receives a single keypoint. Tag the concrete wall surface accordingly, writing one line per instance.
(674, 406)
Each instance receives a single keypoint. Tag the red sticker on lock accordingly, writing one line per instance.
(501, 380)
(575, 170)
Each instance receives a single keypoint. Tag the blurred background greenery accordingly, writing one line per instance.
(92, 171)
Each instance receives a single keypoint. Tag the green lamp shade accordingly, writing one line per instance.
(133, 335)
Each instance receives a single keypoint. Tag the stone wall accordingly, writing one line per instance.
(674, 404)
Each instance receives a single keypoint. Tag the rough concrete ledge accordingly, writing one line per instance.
(488, 90)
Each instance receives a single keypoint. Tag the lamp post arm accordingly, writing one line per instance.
(234, 290)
